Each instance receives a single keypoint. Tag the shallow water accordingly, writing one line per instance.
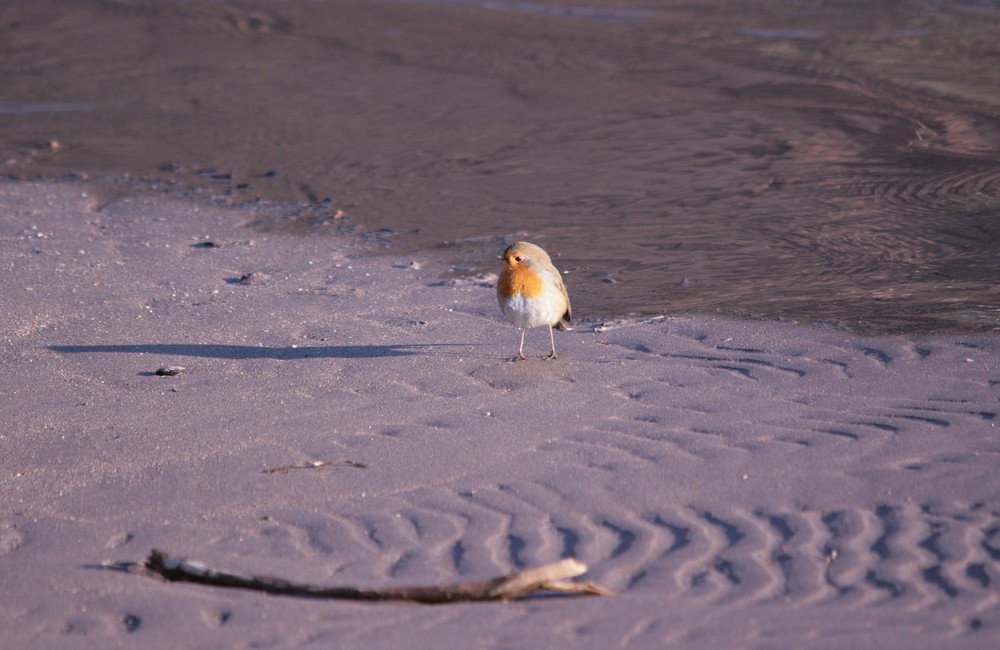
(834, 162)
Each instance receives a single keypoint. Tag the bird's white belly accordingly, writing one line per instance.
(532, 312)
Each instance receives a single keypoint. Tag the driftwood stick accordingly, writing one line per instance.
(314, 464)
(548, 577)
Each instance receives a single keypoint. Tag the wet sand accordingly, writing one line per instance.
(831, 163)
(740, 483)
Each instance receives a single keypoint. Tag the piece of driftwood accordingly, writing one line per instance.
(315, 464)
(548, 577)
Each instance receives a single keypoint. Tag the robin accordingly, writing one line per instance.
(531, 292)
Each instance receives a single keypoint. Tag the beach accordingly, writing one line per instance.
(824, 163)
(248, 318)
(347, 416)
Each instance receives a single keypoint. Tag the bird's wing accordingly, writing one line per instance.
(568, 316)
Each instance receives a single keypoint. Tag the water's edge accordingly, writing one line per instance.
(774, 160)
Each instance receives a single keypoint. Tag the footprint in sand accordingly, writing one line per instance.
(11, 538)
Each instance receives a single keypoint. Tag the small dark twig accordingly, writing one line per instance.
(548, 577)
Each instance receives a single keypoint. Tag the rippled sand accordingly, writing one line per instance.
(741, 484)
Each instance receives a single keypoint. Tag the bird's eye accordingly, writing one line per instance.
(518, 258)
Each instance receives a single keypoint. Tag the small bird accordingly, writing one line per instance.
(531, 292)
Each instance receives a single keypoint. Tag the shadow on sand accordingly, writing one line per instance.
(217, 351)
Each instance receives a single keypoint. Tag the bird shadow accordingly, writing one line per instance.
(287, 353)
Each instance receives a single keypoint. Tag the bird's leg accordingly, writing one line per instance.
(552, 340)
(520, 350)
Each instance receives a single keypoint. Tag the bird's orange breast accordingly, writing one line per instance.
(520, 280)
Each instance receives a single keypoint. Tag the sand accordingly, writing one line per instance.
(741, 484)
